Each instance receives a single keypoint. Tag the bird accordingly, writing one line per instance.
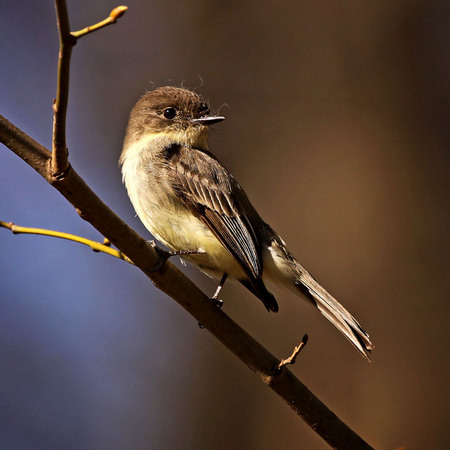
(194, 206)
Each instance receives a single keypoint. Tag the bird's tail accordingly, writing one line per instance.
(298, 280)
(334, 312)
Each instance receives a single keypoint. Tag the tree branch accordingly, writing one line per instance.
(175, 284)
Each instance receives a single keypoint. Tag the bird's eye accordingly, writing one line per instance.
(203, 109)
(169, 113)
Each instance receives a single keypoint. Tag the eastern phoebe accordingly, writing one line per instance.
(191, 203)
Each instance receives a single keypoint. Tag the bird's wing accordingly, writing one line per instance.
(208, 189)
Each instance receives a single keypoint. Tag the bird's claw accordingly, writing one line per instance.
(217, 302)
(164, 255)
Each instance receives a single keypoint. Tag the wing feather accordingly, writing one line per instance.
(207, 188)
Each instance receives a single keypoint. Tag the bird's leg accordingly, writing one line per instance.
(164, 255)
(214, 298)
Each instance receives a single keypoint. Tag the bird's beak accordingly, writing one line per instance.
(210, 120)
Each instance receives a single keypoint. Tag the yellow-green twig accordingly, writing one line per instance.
(96, 246)
(113, 16)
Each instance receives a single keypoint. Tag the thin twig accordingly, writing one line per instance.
(60, 154)
(95, 246)
(293, 357)
(113, 16)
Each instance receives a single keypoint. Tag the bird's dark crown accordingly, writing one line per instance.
(168, 110)
(186, 105)
(185, 101)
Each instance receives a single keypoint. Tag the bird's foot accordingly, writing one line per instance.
(217, 302)
(215, 297)
(164, 255)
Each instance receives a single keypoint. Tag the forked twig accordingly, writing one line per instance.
(60, 154)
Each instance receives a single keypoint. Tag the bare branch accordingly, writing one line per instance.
(95, 246)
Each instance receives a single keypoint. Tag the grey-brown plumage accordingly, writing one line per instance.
(190, 202)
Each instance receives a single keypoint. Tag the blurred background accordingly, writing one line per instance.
(337, 127)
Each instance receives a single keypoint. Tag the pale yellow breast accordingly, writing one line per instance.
(171, 222)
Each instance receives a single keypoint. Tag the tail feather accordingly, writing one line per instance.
(335, 313)
(281, 266)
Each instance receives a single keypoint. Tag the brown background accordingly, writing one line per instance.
(337, 126)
